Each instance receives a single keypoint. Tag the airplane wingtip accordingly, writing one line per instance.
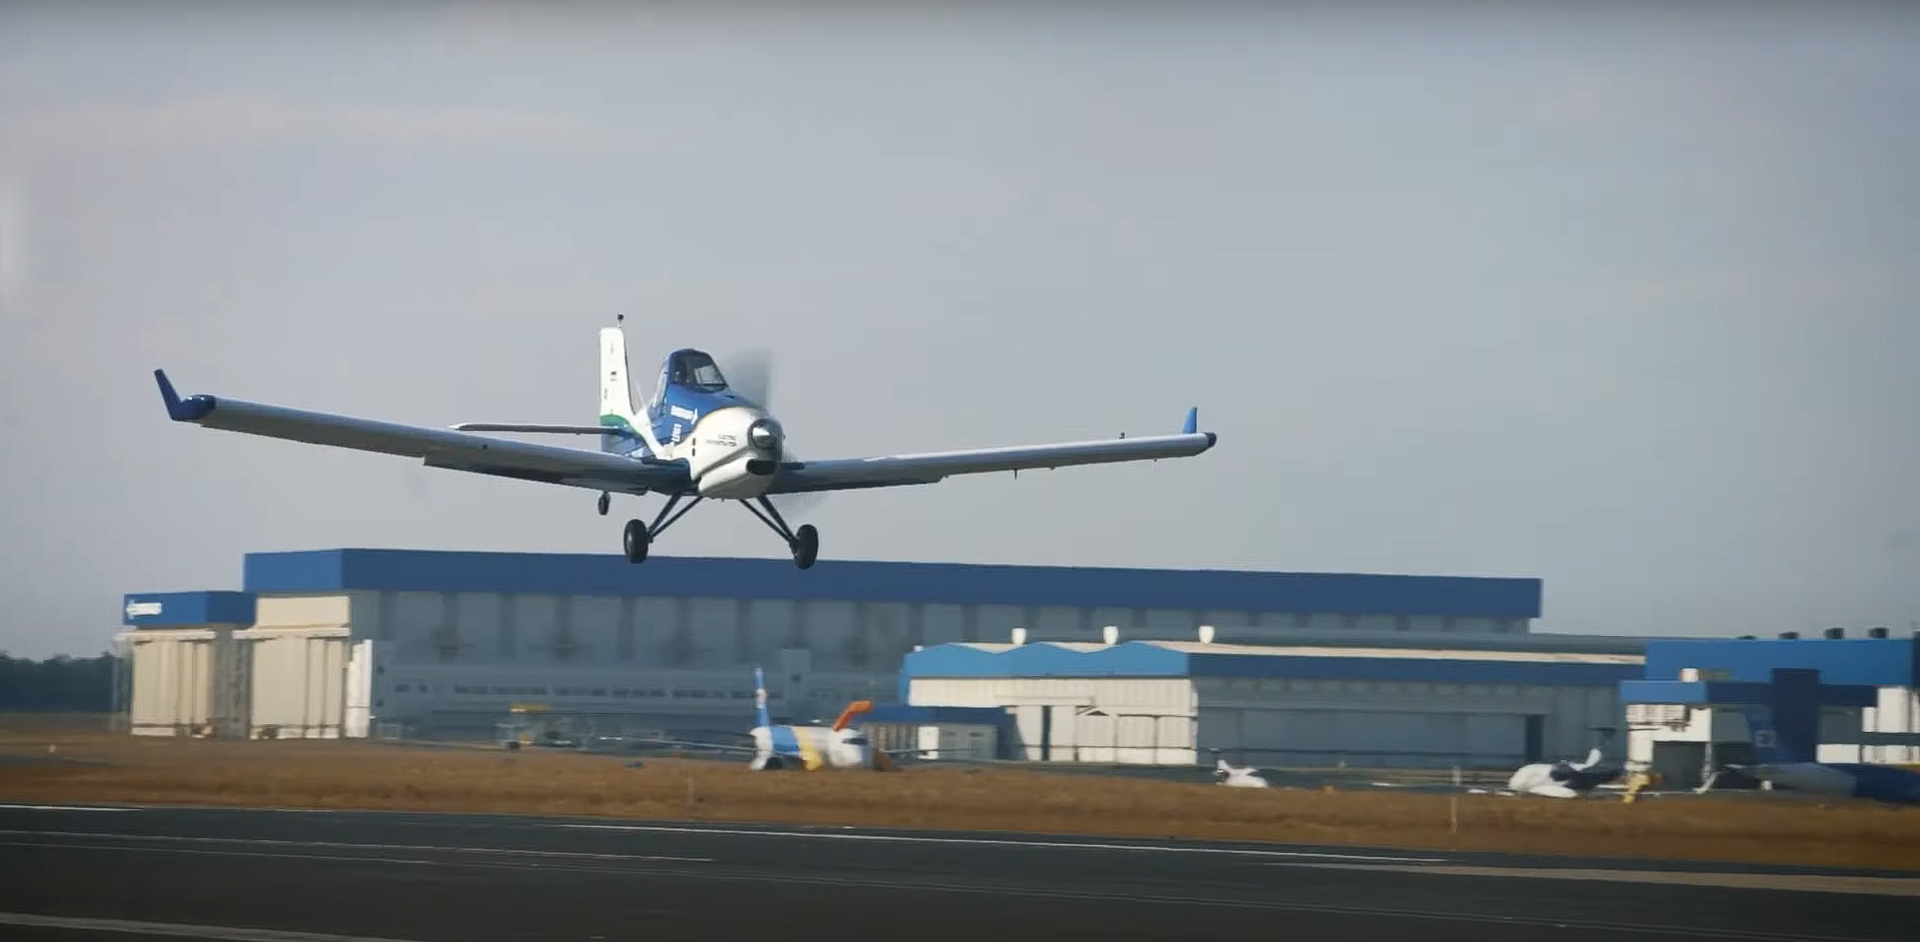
(190, 409)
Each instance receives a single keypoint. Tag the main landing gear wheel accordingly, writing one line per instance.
(806, 545)
(637, 541)
(640, 534)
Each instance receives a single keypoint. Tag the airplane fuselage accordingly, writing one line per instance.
(809, 745)
(731, 446)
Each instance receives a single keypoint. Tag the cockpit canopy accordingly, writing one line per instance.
(694, 368)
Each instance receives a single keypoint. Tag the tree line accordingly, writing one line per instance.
(61, 683)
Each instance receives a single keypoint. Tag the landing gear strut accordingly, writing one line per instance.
(639, 536)
(804, 542)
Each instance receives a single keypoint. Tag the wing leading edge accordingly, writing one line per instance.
(437, 448)
(931, 467)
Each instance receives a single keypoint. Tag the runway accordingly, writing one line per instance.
(253, 875)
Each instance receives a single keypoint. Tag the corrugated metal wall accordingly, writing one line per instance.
(1147, 721)
(299, 682)
(1323, 723)
(172, 681)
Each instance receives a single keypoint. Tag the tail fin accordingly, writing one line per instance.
(1593, 759)
(617, 410)
(1768, 749)
(760, 717)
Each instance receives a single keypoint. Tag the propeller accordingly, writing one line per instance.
(749, 372)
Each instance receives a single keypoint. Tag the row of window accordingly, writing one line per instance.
(619, 693)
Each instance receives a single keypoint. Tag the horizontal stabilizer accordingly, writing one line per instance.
(533, 427)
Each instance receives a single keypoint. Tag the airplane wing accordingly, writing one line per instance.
(928, 468)
(437, 448)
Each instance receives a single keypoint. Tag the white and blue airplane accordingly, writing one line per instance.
(1565, 778)
(797, 746)
(1792, 765)
(698, 437)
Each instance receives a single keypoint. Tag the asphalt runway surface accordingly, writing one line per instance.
(129, 874)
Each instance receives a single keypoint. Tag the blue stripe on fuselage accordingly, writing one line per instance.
(624, 439)
(682, 406)
(783, 741)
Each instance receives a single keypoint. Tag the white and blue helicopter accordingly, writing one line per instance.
(698, 437)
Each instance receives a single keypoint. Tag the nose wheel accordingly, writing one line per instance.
(804, 543)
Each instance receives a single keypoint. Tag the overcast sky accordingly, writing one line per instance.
(1622, 300)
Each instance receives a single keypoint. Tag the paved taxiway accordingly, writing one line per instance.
(130, 874)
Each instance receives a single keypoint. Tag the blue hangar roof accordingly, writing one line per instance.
(1301, 662)
(174, 609)
(337, 570)
(1878, 662)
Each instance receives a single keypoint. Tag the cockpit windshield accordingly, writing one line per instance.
(856, 740)
(696, 369)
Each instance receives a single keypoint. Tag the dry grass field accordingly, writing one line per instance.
(88, 764)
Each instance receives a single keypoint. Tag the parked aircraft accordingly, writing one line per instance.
(794, 745)
(1236, 777)
(1564, 779)
(698, 437)
(1792, 765)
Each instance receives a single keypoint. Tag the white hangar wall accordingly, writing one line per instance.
(348, 638)
(1171, 702)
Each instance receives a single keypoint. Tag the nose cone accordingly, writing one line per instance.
(765, 434)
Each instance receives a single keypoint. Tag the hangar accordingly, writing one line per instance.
(1168, 702)
(332, 642)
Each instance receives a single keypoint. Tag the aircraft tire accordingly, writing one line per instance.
(806, 546)
(637, 540)
(606, 500)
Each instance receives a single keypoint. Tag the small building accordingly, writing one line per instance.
(1170, 702)
(341, 642)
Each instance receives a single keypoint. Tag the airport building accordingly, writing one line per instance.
(1163, 702)
(1859, 699)
(348, 642)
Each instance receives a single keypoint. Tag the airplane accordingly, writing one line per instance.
(1792, 765)
(1236, 777)
(699, 436)
(791, 745)
(1564, 779)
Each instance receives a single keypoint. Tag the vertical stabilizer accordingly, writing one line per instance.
(760, 717)
(617, 410)
(1768, 746)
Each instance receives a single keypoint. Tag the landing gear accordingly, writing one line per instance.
(639, 536)
(804, 543)
(606, 500)
(637, 540)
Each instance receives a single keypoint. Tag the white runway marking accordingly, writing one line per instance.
(221, 933)
(1801, 882)
(990, 841)
(343, 845)
(5, 807)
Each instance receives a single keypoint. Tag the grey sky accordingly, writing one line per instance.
(1625, 301)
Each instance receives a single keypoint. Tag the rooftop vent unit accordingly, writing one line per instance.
(1876, 632)
(1110, 634)
(1835, 634)
(1789, 635)
(1746, 638)
(1206, 634)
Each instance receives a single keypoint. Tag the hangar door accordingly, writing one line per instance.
(1326, 738)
